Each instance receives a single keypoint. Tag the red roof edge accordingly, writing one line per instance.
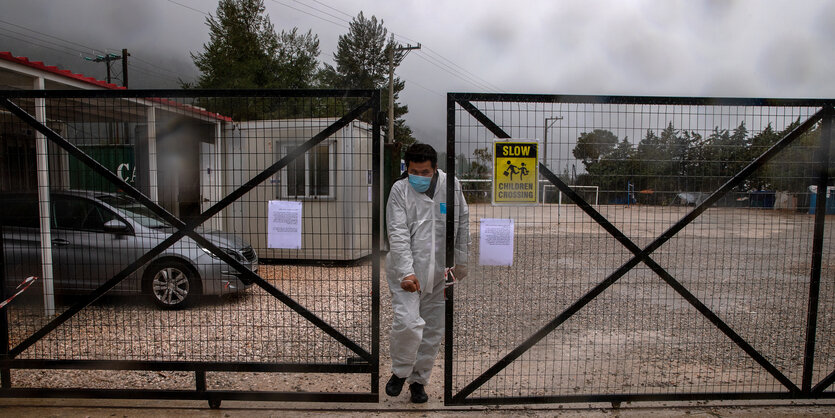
(190, 108)
(38, 65)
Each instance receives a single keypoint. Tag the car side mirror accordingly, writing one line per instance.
(116, 226)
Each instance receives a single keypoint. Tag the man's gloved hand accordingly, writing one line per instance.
(460, 271)
(410, 283)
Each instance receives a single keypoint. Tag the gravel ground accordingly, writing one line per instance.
(639, 336)
(750, 267)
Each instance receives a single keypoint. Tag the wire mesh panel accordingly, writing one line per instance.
(679, 265)
(194, 242)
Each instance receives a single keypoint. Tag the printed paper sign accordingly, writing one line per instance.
(284, 225)
(495, 242)
(515, 172)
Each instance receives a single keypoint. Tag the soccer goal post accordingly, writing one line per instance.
(591, 194)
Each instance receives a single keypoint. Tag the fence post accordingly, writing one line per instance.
(377, 215)
(450, 245)
(823, 154)
(5, 373)
(44, 207)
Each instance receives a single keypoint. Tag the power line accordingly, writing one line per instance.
(333, 8)
(69, 47)
(42, 42)
(308, 13)
(456, 73)
(188, 7)
(321, 11)
(425, 88)
(155, 65)
(450, 71)
(75, 52)
(157, 75)
(80, 56)
(49, 36)
(460, 68)
(438, 62)
(348, 22)
(481, 82)
(280, 3)
(449, 63)
(63, 51)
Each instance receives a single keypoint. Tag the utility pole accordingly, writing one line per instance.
(125, 56)
(110, 57)
(545, 140)
(407, 48)
(545, 147)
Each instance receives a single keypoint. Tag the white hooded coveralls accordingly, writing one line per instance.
(417, 245)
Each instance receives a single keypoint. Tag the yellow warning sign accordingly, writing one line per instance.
(515, 172)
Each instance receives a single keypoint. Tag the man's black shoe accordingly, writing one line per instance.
(395, 385)
(418, 394)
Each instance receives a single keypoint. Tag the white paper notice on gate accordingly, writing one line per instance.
(284, 225)
(495, 242)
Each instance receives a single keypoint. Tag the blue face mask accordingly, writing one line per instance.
(420, 183)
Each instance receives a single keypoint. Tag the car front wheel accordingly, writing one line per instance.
(173, 285)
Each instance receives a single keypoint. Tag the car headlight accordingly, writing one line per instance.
(232, 253)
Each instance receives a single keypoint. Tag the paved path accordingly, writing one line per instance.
(401, 407)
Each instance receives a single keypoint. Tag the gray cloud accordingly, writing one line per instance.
(677, 47)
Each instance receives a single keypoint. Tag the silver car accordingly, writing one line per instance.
(95, 235)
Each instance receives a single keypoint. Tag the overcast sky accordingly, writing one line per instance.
(756, 48)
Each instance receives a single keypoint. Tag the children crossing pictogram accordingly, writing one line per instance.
(515, 172)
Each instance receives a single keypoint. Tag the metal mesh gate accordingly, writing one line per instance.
(680, 250)
(197, 243)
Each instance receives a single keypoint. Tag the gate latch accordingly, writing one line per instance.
(357, 361)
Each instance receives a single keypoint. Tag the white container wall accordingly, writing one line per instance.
(333, 180)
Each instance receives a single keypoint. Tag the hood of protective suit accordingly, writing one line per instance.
(416, 227)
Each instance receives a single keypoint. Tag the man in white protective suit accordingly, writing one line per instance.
(416, 222)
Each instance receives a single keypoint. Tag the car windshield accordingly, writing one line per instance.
(135, 210)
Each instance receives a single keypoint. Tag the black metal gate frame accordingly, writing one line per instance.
(368, 362)
(825, 115)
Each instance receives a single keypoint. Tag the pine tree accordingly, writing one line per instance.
(244, 52)
(297, 60)
(243, 48)
(362, 62)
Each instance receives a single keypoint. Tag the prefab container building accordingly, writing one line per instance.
(332, 180)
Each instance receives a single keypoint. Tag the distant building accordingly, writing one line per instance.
(333, 181)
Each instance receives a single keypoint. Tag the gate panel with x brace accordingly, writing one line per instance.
(642, 255)
(367, 359)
